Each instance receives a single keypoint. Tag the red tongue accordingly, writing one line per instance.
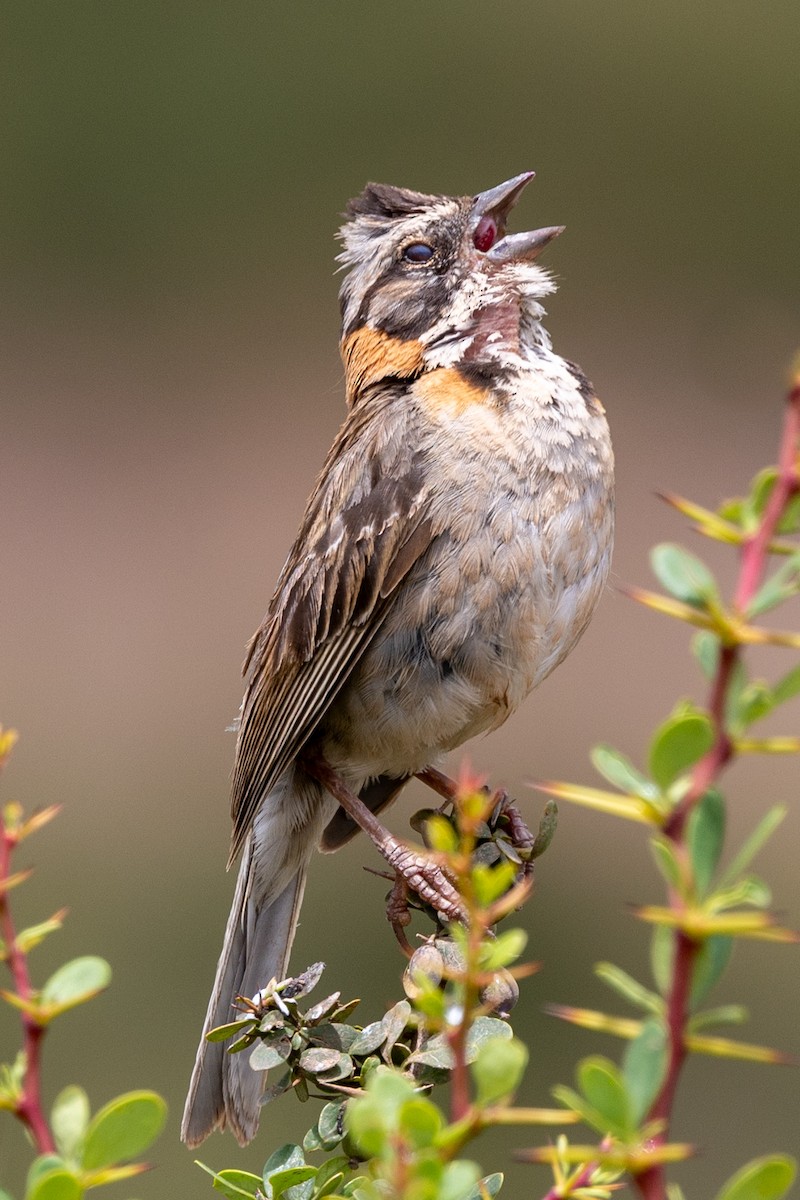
(485, 233)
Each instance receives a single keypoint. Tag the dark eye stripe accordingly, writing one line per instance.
(418, 252)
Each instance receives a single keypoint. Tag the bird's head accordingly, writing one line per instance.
(436, 281)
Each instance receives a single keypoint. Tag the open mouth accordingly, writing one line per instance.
(489, 215)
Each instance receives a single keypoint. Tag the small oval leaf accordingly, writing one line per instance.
(70, 1119)
(683, 575)
(73, 984)
(60, 1184)
(679, 743)
(761, 1179)
(123, 1129)
(602, 1085)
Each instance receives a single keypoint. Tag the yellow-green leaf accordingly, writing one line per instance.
(123, 1129)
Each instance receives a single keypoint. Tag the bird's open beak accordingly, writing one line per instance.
(497, 203)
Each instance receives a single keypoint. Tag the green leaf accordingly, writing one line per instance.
(435, 1053)
(27, 939)
(603, 1086)
(41, 1166)
(666, 860)
(485, 1029)
(683, 575)
(287, 1158)
(781, 586)
(679, 743)
(705, 647)
(490, 882)
(644, 1066)
(59, 1184)
(761, 834)
(394, 1023)
(236, 1184)
(123, 1129)
(711, 960)
(788, 687)
(280, 1182)
(420, 1122)
(73, 984)
(330, 1124)
(662, 953)
(370, 1118)
(761, 488)
(498, 1069)
(222, 1032)
(457, 1181)
(548, 824)
(750, 704)
(503, 950)
(369, 1038)
(762, 1179)
(440, 834)
(617, 769)
(488, 1187)
(570, 1099)
(330, 1175)
(706, 835)
(70, 1119)
(726, 1014)
(628, 987)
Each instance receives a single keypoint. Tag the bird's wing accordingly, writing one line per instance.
(365, 526)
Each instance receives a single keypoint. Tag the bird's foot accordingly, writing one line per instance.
(505, 814)
(416, 868)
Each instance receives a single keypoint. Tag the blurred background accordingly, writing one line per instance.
(171, 183)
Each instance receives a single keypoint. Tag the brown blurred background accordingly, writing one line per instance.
(171, 182)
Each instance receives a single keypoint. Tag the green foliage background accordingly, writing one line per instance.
(171, 181)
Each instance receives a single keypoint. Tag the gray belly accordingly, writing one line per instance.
(479, 622)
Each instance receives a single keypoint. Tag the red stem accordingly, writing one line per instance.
(755, 552)
(29, 1107)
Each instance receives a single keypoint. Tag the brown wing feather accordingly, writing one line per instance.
(365, 526)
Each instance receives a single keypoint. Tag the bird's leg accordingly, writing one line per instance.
(503, 808)
(420, 873)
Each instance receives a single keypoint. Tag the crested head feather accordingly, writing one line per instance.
(383, 201)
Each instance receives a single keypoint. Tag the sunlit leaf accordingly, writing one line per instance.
(69, 1119)
(487, 1188)
(679, 743)
(683, 575)
(27, 939)
(235, 1185)
(59, 1184)
(73, 984)
(604, 1088)
(498, 1069)
(614, 766)
(123, 1129)
(628, 987)
(762, 1179)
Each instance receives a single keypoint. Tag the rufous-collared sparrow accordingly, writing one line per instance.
(452, 552)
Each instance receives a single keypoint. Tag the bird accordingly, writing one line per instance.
(452, 552)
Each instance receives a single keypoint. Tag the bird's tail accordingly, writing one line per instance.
(224, 1090)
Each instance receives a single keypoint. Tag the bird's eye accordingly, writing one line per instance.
(484, 236)
(418, 252)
